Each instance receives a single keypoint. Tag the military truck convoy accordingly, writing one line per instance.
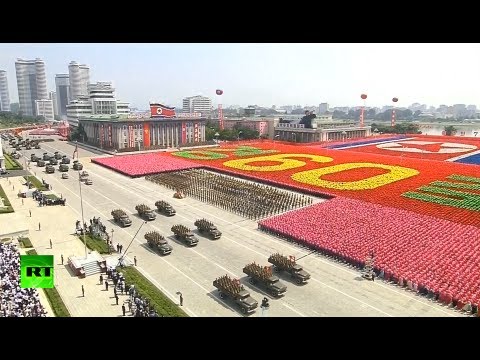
(157, 242)
(165, 208)
(184, 234)
(288, 264)
(228, 287)
(145, 212)
(121, 217)
(204, 225)
(264, 276)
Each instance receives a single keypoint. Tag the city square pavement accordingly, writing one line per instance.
(57, 223)
(333, 290)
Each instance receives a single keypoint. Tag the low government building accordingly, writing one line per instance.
(322, 132)
(161, 128)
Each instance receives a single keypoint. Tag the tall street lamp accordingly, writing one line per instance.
(81, 206)
(275, 137)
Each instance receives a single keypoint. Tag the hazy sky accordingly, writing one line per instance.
(267, 74)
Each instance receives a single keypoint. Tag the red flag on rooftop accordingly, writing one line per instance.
(162, 111)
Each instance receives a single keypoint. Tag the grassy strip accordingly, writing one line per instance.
(54, 298)
(95, 244)
(6, 202)
(162, 304)
(11, 163)
(25, 242)
(37, 183)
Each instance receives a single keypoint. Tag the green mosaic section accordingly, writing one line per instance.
(458, 199)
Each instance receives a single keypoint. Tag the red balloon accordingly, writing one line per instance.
(395, 99)
(363, 96)
(219, 92)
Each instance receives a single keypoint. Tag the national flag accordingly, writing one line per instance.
(162, 111)
(75, 151)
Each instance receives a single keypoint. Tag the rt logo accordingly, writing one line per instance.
(36, 271)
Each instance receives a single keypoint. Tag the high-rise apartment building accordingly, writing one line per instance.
(100, 101)
(4, 96)
(323, 108)
(44, 108)
(52, 95)
(62, 84)
(31, 83)
(200, 104)
(102, 98)
(79, 76)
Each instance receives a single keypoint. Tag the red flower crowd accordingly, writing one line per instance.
(144, 164)
(419, 251)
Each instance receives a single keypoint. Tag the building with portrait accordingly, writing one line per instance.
(161, 128)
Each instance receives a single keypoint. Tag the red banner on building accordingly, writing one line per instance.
(184, 132)
(102, 134)
(110, 135)
(161, 111)
(131, 137)
(146, 134)
(195, 132)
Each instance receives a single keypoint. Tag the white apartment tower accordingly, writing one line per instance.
(79, 76)
(44, 108)
(52, 95)
(31, 83)
(101, 100)
(201, 104)
(4, 96)
(323, 108)
(62, 84)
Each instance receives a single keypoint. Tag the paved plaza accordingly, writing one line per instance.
(334, 289)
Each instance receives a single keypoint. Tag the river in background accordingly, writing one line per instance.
(436, 129)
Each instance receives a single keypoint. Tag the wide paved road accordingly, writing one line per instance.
(334, 289)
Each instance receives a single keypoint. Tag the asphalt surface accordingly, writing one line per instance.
(334, 289)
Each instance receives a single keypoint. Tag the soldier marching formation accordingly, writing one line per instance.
(251, 200)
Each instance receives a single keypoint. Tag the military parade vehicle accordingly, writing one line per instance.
(57, 155)
(77, 165)
(65, 159)
(228, 287)
(34, 158)
(46, 157)
(53, 161)
(145, 212)
(165, 208)
(288, 264)
(83, 175)
(264, 276)
(157, 242)
(204, 225)
(184, 234)
(40, 163)
(49, 169)
(121, 217)
(63, 168)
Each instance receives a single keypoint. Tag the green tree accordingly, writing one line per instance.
(450, 130)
